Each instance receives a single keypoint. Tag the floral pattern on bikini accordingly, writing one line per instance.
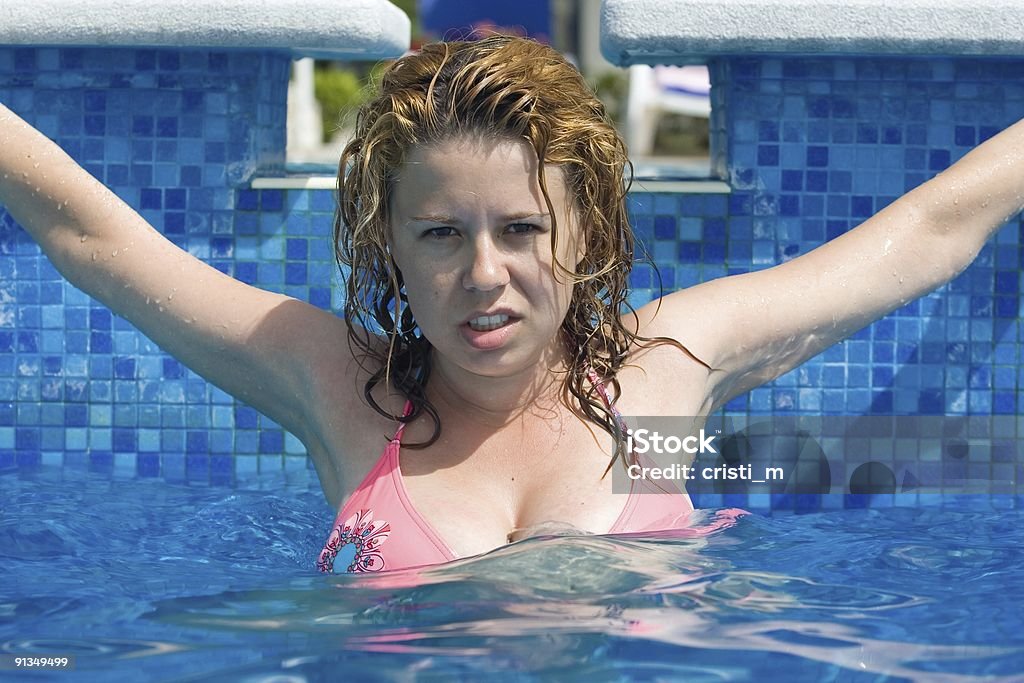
(356, 542)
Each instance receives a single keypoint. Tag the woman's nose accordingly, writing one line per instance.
(487, 269)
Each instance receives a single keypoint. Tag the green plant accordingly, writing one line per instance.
(610, 87)
(340, 91)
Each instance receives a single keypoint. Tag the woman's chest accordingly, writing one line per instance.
(477, 488)
(483, 494)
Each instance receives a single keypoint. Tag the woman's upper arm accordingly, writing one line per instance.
(753, 327)
(273, 352)
(264, 348)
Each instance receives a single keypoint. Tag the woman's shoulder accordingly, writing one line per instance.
(349, 433)
(661, 374)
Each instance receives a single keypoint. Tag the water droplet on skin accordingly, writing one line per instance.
(35, 165)
(147, 300)
(161, 309)
(113, 253)
(84, 238)
(94, 256)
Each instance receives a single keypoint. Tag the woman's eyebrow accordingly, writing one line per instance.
(439, 218)
(525, 214)
(432, 218)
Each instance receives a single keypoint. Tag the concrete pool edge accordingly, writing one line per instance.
(354, 29)
(692, 31)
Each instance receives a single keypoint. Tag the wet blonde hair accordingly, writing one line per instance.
(501, 86)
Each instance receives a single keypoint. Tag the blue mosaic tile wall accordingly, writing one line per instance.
(813, 147)
(810, 148)
(176, 134)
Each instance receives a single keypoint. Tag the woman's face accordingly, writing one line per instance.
(472, 236)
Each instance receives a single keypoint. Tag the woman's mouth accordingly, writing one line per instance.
(485, 323)
(489, 332)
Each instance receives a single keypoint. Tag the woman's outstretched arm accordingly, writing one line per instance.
(753, 327)
(256, 345)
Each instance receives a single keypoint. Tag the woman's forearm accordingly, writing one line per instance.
(67, 211)
(975, 196)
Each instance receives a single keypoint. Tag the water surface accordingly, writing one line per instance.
(146, 580)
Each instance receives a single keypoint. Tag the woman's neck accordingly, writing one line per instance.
(498, 401)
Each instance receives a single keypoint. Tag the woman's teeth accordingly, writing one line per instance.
(485, 323)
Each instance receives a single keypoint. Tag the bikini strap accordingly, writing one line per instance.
(397, 438)
(599, 385)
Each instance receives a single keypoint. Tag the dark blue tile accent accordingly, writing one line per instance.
(148, 464)
(246, 272)
(197, 442)
(247, 200)
(320, 297)
(271, 441)
(792, 180)
(689, 252)
(150, 198)
(985, 132)
(295, 274)
(966, 136)
(245, 418)
(145, 60)
(24, 59)
(817, 181)
(169, 61)
(298, 249)
(664, 227)
(768, 155)
(938, 159)
(861, 207)
(271, 200)
(125, 440)
(124, 368)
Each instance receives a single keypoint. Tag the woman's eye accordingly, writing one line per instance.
(522, 228)
(438, 233)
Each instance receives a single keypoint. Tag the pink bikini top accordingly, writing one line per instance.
(378, 528)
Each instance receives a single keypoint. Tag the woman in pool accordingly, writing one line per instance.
(483, 218)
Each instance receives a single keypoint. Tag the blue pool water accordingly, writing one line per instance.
(146, 580)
